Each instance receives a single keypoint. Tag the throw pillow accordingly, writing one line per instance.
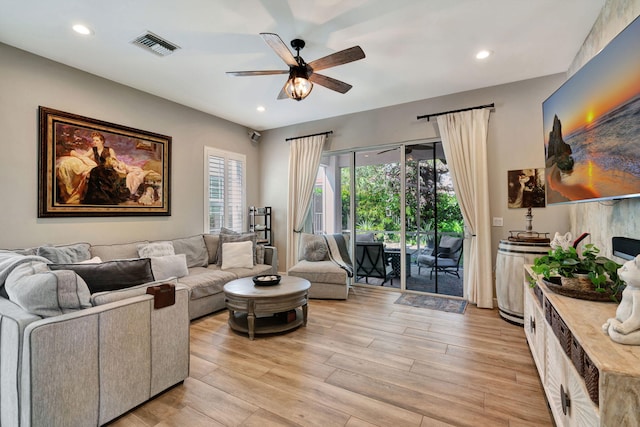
(155, 249)
(225, 230)
(111, 275)
(228, 238)
(165, 267)
(316, 250)
(237, 255)
(42, 292)
(305, 240)
(259, 254)
(117, 251)
(65, 254)
(448, 246)
(211, 242)
(365, 237)
(195, 250)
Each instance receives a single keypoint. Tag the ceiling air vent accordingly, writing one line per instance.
(155, 44)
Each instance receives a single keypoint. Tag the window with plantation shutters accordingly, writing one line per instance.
(225, 189)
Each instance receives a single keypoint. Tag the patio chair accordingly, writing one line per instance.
(445, 258)
(372, 262)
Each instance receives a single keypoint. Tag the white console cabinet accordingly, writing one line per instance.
(588, 379)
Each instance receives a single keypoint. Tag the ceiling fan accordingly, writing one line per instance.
(302, 75)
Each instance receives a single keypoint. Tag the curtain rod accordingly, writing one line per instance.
(329, 132)
(428, 116)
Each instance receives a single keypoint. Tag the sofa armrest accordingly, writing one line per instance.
(13, 321)
(125, 352)
(271, 258)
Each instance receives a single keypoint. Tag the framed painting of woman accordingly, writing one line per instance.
(89, 167)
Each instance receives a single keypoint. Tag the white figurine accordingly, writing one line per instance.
(561, 241)
(625, 328)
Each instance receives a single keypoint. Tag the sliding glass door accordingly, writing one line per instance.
(395, 204)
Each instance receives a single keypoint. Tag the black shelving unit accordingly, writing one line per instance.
(260, 223)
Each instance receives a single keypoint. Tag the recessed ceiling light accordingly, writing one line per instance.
(82, 29)
(483, 54)
(260, 108)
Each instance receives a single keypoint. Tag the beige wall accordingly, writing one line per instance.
(515, 142)
(618, 218)
(27, 81)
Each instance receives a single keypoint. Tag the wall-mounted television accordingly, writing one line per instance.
(592, 127)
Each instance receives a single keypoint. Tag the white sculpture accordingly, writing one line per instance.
(625, 328)
(561, 241)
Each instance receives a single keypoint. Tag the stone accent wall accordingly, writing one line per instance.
(605, 220)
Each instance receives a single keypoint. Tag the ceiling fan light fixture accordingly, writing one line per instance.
(298, 86)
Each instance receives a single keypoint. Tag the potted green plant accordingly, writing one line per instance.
(599, 272)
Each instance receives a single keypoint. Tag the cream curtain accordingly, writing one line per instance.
(304, 160)
(464, 140)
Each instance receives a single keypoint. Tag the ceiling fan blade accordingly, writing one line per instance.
(338, 58)
(330, 83)
(281, 49)
(386, 151)
(256, 73)
(283, 94)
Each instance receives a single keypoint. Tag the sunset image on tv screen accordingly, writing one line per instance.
(592, 126)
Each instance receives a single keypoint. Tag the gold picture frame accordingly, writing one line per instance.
(90, 167)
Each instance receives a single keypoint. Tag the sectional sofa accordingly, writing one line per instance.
(80, 340)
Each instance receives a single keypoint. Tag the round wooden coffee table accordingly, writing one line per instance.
(266, 309)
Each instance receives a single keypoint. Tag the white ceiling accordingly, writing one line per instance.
(415, 49)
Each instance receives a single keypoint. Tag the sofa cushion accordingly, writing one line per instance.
(155, 249)
(194, 248)
(250, 272)
(206, 281)
(315, 250)
(111, 275)
(211, 241)
(117, 251)
(237, 255)
(238, 237)
(164, 267)
(42, 292)
(319, 272)
(105, 297)
(365, 237)
(64, 254)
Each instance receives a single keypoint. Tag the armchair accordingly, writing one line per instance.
(372, 262)
(445, 258)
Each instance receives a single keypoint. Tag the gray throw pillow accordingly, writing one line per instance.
(211, 242)
(42, 292)
(65, 254)
(195, 250)
(259, 254)
(315, 250)
(111, 275)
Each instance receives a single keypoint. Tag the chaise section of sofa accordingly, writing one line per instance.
(90, 366)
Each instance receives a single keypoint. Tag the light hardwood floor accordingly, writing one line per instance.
(361, 362)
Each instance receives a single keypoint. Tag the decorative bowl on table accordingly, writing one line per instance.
(266, 280)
